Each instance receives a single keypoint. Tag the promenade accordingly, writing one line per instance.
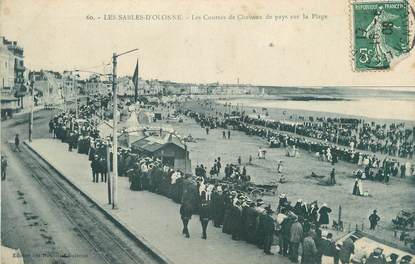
(152, 218)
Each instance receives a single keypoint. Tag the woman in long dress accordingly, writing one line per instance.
(360, 185)
(356, 190)
(324, 219)
(360, 160)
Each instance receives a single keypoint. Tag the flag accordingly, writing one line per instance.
(135, 81)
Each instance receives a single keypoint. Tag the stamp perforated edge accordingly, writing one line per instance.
(411, 33)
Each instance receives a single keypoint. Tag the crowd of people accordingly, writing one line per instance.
(394, 139)
(255, 222)
(375, 168)
(220, 200)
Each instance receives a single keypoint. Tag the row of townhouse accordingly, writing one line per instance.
(12, 76)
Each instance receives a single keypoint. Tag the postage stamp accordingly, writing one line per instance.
(380, 33)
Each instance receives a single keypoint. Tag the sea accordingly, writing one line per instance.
(395, 105)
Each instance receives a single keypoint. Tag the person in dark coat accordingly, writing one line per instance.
(244, 233)
(333, 177)
(218, 205)
(309, 250)
(327, 247)
(157, 176)
(227, 225)
(346, 250)
(103, 169)
(296, 236)
(95, 168)
(269, 228)
(356, 188)
(376, 257)
(317, 241)
(259, 235)
(135, 178)
(373, 219)
(236, 220)
(285, 235)
(51, 127)
(313, 213)
(324, 215)
(227, 171)
(91, 153)
(283, 201)
(3, 167)
(204, 217)
(70, 140)
(297, 208)
(250, 223)
(186, 215)
(17, 143)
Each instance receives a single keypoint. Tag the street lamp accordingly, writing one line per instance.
(107, 148)
(75, 86)
(114, 131)
(32, 109)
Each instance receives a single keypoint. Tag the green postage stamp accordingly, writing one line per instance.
(380, 33)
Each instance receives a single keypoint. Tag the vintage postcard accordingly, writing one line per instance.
(228, 132)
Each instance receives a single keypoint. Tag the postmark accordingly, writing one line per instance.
(381, 33)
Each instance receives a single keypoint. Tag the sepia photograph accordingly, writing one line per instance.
(207, 132)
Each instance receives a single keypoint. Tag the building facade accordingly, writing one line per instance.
(96, 84)
(12, 78)
(49, 86)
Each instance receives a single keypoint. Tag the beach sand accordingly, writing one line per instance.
(388, 199)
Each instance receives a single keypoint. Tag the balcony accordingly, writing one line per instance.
(19, 67)
(20, 90)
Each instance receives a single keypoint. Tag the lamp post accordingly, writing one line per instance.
(31, 111)
(114, 134)
(114, 129)
(76, 95)
(108, 142)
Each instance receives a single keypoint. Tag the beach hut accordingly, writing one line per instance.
(169, 148)
(127, 137)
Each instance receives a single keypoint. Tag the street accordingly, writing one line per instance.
(46, 218)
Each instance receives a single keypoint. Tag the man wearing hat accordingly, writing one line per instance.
(284, 236)
(309, 249)
(296, 235)
(328, 247)
(373, 219)
(3, 167)
(259, 234)
(269, 228)
(186, 215)
(103, 169)
(227, 220)
(250, 223)
(376, 257)
(218, 206)
(236, 219)
(204, 217)
(95, 168)
(347, 249)
(282, 201)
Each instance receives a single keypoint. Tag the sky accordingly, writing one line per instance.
(57, 35)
